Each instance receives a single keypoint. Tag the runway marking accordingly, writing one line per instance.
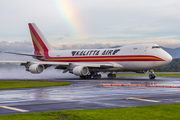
(15, 109)
(160, 95)
(143, 99)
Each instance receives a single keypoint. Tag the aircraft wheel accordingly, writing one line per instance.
(99, 75)
(94, 76)
(152, 76)
(89, 76)
(111, 76)
(114, 75)
(81, 77)
(85, 77)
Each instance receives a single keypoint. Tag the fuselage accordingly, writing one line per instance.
(87, 63)
(132, 57)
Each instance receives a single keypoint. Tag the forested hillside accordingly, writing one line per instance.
(174, 66)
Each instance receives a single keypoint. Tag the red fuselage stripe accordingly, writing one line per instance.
(103, 58)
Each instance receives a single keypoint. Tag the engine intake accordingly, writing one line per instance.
(36, 68)
(81, 70)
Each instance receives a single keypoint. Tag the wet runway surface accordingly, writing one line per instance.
(89, 94)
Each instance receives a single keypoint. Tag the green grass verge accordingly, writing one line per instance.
(150, 112)
(142, 75)
(168, 75)
(29, 84)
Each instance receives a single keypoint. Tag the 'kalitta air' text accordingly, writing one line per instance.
(94, 52)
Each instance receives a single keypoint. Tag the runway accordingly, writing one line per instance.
(89, 94)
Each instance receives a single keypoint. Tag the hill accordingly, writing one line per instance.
(174, 66)
(175, 53)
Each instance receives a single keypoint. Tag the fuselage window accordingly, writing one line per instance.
(155, 47)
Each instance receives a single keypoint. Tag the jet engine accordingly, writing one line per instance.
(80, 70)
(36, 68)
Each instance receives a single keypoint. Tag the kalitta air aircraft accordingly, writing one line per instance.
(87, 63)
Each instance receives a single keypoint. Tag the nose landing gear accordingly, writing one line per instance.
(152, 75)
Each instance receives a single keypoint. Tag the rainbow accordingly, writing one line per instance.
(70, 15)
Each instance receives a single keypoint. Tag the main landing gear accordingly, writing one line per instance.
(93, 74)
(86, 77)
(111, 75)
(152, 75)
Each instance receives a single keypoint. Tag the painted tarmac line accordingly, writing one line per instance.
(15, 109)
(143, 99)
(163, 95)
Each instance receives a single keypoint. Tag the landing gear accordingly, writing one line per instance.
(86, 77)
(152, 75)
(111, 75)
(97, 76)
(94, 75)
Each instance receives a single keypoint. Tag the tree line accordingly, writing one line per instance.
(174, 66)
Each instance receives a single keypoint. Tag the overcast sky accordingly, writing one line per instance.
(69, 24)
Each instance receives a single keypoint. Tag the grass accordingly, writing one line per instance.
(168, 75)
(29, 84)
(150, 112)
(142, 75)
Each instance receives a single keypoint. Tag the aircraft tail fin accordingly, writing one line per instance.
(40, 43)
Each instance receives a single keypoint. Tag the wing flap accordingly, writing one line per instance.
(101, 65)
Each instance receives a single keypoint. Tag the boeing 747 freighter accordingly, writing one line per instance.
(88, 63)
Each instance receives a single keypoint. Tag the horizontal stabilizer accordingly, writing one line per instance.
(24, 54)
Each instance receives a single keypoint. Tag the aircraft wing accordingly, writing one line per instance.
(13, 61)
(92, 65)
(36, 62)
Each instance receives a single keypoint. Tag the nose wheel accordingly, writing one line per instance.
(152, 75)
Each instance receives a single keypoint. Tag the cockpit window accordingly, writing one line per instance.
(155, 47)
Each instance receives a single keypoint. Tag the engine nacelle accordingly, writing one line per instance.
(36, 68)
(80, 70)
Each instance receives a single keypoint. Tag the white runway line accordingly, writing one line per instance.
(143, 99)
(15, 109)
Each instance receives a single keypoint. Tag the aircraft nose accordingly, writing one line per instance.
(168, 58)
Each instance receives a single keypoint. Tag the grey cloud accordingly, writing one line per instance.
(27, 47)
(82, 46)
(136, 20)
(21, 46)
(60, 38)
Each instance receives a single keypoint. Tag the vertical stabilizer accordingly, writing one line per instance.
(40, 43)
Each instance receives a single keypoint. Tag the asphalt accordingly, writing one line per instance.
(89, 94)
